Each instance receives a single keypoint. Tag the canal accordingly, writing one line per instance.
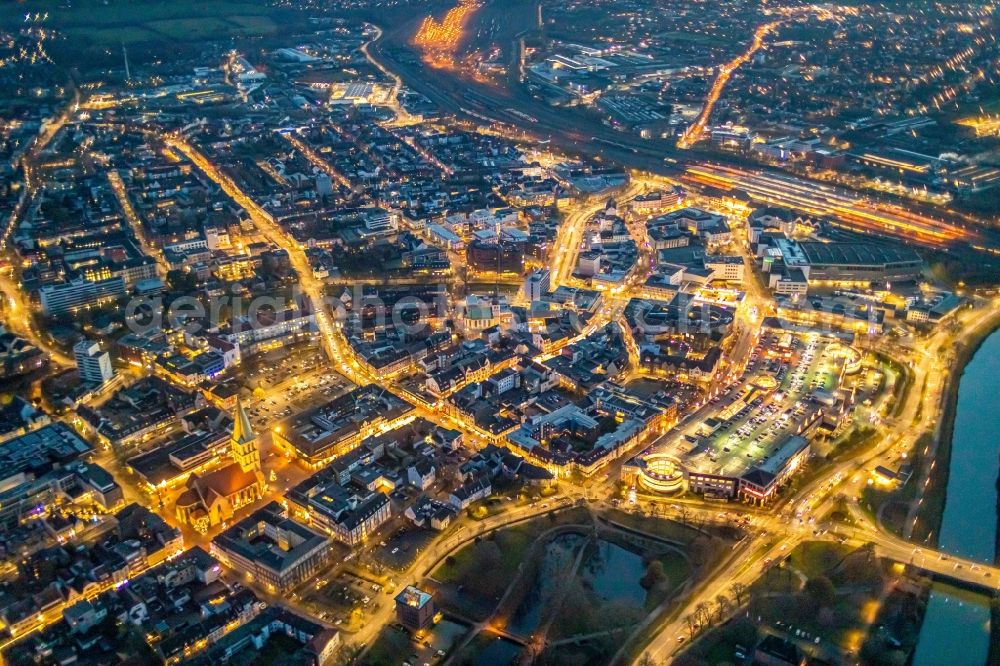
(956, 625)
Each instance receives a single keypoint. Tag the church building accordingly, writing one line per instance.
(215, 497)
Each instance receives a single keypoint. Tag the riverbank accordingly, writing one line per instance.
(935, 495)
(994, 653)
(930, 518)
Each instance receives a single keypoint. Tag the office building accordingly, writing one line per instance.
(272, 548)
(537, 285)
(93, 364)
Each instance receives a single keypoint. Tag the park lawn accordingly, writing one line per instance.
(816, 558)
(100, 24)
(279, 649)
(718, 646)
(677, 570)
(126, 34)
(857, 578)
(663, 528)
(191, 29)
(484, 568)
(516, 541)
(255, 24)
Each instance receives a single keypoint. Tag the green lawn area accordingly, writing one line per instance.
(278, 650)
(855, 579)
(665, 529)
(92, 26)
(192, 28)
(261, 24)
(128, 34)
(511, 545)
(815, 558)
(840, 604)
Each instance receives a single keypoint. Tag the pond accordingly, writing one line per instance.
(559, 553)
(499, 652)
(614, 573)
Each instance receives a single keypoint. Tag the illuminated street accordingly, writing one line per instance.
(499, 333)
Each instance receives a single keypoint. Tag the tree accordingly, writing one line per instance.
(483, 572)
(181, 281)
(703, 614)
(739, 592)
(820, 590)
(654, 575)
(698, 551)
(723, 606)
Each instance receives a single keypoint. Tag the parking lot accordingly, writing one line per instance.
(294, 383)
(788, 371)
(399, 549)
(344, 599)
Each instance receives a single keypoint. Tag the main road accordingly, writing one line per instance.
(331, 335)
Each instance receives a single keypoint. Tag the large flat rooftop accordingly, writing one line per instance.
(316, 433)
(857, 254)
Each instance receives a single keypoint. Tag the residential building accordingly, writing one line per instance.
(414, 608)
(57, 299)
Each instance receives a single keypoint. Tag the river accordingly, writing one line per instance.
(956, 625)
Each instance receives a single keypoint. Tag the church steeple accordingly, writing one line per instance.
(243, 444)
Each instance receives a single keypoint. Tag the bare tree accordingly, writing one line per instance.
(703, 614)
(739, 592)
(723, 606)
